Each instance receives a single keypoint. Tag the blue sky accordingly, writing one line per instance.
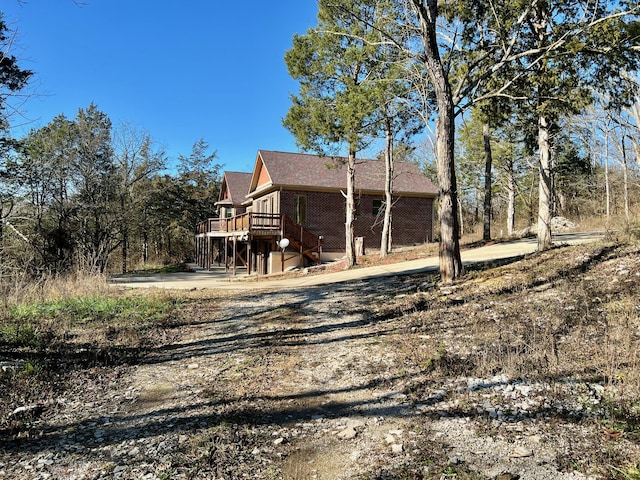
(179, 70)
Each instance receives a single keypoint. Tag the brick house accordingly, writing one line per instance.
(300, 197)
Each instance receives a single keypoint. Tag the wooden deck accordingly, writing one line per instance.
(238, 236)
(254, 223)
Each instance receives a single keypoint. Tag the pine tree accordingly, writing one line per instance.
(334, 64)
(12, 80)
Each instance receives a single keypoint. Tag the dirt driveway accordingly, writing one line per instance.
(218, 278)
(355, 381)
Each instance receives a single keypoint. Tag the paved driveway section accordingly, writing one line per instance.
(218, 278)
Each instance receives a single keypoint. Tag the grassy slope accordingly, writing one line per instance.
(570, 314)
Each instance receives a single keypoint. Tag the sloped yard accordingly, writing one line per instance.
(526, 370)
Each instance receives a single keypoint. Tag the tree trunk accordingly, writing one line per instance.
(461, 219)
(636, 148)
(145, 246)
(125, 234)
(385, 242)
(625, 177)
(544, 201)
(1, 237)
(511, 196)
(607, 187)
(350, 211)
(488, 159)
(125, 249)
(450, 260)
(540, 28)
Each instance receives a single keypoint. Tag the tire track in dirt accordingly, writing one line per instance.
(311, 361)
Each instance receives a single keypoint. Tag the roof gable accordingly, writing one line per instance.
(234, 188)
(298, 170)
(260, 176)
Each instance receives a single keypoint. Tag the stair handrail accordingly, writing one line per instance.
(307, 240)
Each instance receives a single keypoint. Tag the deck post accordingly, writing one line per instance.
(208, 240)
(226, 254)
(197, 250)
(235, 254)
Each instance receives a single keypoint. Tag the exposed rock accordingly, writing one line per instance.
(11, 365)
(562, 224)
(558, 224)
(27, 411)
(348, 433)
(396, 448)
(521, 452)
(507, 476)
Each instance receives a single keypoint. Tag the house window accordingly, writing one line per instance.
(300, 209)
(377, 207)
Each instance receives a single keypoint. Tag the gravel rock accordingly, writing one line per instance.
(300, 384)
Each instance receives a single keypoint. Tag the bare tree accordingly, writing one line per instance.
(135, 161)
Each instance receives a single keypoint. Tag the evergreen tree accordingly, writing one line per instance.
(198, 180)
(334, 64)
(96, 180)
(12, 80)
(44, 171)
(427, 16)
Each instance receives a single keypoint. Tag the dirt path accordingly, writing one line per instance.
(300, 384)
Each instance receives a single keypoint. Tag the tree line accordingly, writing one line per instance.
(78, 194)
(527, 64)
(595, 174)
(83, 194)
(530, 107)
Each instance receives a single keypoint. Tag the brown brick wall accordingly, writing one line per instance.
(412, 218)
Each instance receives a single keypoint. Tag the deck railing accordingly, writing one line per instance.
(254, 222)
(209, 225)
(297, 232)
(267, 225)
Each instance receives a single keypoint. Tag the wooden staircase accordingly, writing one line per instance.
(301, 240)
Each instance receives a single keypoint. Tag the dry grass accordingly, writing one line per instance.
(568, 319)
(314, 464)
(20, 288)
(568, 313)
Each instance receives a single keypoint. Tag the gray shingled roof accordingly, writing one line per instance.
(313, 171)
